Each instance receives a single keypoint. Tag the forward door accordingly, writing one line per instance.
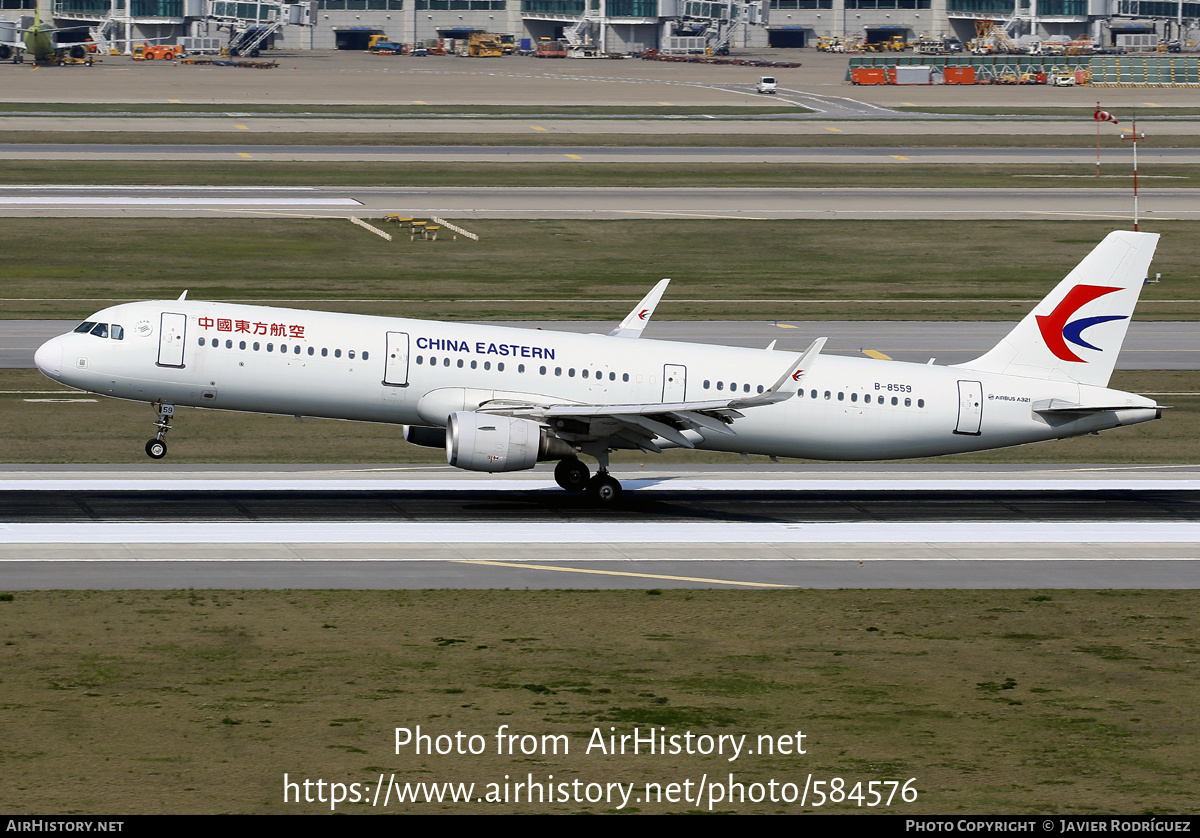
(171, 339)
(395, 372)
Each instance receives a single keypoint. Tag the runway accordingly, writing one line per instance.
(596, 202)
(790, 526)
(1149, 345)
(898, 155)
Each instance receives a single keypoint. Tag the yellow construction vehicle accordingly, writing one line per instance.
(484, 45)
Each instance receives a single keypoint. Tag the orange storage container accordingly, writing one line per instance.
(959, 75)
(868, 75)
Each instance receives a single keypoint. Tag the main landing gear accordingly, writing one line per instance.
(573, 475)
(156, 448)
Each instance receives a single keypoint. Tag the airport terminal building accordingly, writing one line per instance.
(612, 26)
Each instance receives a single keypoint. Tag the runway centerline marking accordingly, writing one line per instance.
(692, 215)
(622, 573)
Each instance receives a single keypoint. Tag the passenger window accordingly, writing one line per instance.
(571, 372)
(117, 333)
(229, 344)
(500, 367)
(256, 345)
(85, 327)
(420, 359)
(908, 402)
(920, 402)
(720, 385)
(100, 330)
(474, 364)
(365, 355)
(612, 376)
(325, 354)
(625, 376)
(445, 361)
(558, 370)
(520, 368)
(242, 345)
(827, 394)
(706, 384)
(487, 365)
(867, 398)
(841, 397)
(895, 400)
(202, 341)
(460, 363)
(854, 397)
(541, 370)
(350, 355)
(760, 389)
(814, 394)
(312, 350)
(337, 353)
(585, 373)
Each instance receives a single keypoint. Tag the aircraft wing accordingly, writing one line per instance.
(636, 320)
(639, 425)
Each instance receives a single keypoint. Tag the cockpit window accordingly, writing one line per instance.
(100, 330)
(85, 327)
(117, 333)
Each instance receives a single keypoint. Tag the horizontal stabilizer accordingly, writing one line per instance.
(1064, 406)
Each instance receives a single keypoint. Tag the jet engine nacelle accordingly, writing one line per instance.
(425, 436)
(483, 442)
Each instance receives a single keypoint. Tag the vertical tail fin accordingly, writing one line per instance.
(1076, 332)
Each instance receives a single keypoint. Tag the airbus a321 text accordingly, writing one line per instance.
(502, 399)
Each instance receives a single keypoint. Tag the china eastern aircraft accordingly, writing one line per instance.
(502, 399)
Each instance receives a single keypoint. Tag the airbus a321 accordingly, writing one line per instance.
(502, 399)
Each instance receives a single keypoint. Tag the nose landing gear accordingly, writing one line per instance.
(156, 448)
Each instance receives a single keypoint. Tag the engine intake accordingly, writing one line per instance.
(482, 442)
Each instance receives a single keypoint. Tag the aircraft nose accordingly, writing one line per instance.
(49, 358)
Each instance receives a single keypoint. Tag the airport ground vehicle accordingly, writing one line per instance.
(766, 84)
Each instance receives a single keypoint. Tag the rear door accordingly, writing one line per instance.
(674, 383)
(970, 408)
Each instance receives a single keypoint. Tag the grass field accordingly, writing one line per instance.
(890, 270)
(580, 173)
(743, 139)
(1003, 702)
(112, 431)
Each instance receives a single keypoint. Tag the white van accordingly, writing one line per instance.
(766, 84)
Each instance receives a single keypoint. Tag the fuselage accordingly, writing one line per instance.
(417, 372)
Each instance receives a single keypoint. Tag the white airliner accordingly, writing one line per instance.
(502, 399)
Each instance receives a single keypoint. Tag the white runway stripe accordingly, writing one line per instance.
(247, 533)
